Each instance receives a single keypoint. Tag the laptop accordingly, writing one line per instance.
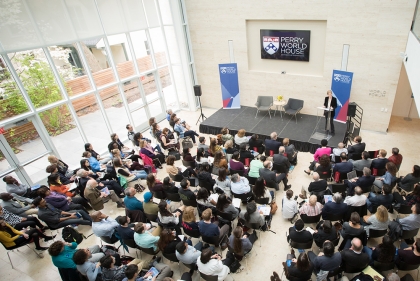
(351, 175)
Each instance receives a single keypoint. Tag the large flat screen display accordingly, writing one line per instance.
(285, 44)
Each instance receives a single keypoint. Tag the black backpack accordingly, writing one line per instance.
(71, 235)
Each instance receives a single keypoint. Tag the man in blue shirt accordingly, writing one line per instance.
(130, 200)
(412, 221)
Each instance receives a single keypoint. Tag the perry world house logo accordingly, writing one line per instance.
(271, 44)
(342, 78)
(227, 70)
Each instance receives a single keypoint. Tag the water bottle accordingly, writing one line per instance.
(289, 263)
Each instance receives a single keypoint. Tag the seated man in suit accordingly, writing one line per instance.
(272, 179)
(384, 199)
(336, 207)
(281, 161)
(358, 147)
(354, 256)
(291, 151)
(344, 167)
(272, 144)
(316, 186)
(298, 234)
(380, 161)
(365, 182)
(365, 162)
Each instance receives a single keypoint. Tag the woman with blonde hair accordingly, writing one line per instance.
(188, 219)
(214, 147)
(229, 149)
(378, 221)
(240, 137)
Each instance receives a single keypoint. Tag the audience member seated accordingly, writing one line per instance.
(58, 200)
(240, 185)
(115, 273)
(85, 265)
(380, 161)
(352, 228)
(209, 229)
(138, 137)
(62, 254)
(378, 221)
(133, 166)
(412, 221)
(154, 185)
(409, 254)
(166, 217)
(390, 177)
(260, 191)
(132, 273)
(20, 189)
(299, 269)
(56, 218)
(290, 208)
(204, 199)
(157, 157)
(407, 183)
(53, 181)
(168, 241)
(223, 182)
(62, 167)
(124, 172)
(256, 142)
(318, 153)
(116, 143)
(354, 256)
(188, 219)
(11, 237)
(298, 233)
(166, 140)
(324, 166)
(174, 171)
(316, 186)
(339, 149)
(255, 166)
(226, 136)
(124, 230)
(385, 199)
(94, 164)
(212, 264)
(365, 182)
(251, 216)
(244, 153)
(409, 200)
(52, 169)
(357, 148)
(103, 225)
(219, 162)
(183, 131)
(229, 149)
(201, 156)
(241, 138)
(272, 144)
(241, 243)
(358, 199)
(365, 162)
(185, 192)
(186, 155)
(96, 197)
(324, 231)
(281, 161)
(291, 151)
(214, 147)
(169, 186)
(344, 167)
(235, 164)
(19, 222)
(384, 252)
(272, 178)
(224, 205)
(149, 207)
(85, 165)
(202, 144)
(9, 203)
(312, 207)
(130, 200)
(89, 148)
(396, 157)
(145, 236)
(326, 260)
(204, 177)
(336, 207)
(188, 254)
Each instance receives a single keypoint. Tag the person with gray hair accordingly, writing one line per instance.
(239, 185)
(318, 185)
(96, 197)
(358, 199)
(272, 178)
(336, 207)
(130, 200)
(271, 144)
(365, 182)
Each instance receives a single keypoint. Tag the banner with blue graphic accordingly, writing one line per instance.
(341, 87)
(230, 85)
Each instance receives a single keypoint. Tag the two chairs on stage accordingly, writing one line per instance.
(265, 103)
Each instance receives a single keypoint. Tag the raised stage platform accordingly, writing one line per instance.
(306, 134)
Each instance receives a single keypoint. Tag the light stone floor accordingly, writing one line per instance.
(265, 259)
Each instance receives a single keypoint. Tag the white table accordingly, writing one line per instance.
(279, 106)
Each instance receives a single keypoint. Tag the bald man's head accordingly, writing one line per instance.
(315, 176)
(281, 149)
(356, 245)
(341, 145)
(358, 190)
(267, 164)
(96, 216)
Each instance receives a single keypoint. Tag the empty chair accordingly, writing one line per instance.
(264, 103)
(8, 249)
(293, 107)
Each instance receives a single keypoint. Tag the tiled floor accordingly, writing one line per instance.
(265, 259)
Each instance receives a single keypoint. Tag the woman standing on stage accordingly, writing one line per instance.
(331, 103)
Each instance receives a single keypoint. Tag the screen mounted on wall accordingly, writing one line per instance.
(285, 44)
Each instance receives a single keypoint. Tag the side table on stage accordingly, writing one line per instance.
(279, 106)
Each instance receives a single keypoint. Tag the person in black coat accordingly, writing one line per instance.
(357, 148)
(324, 231)
(244, 153)
(298, 234)
(272, 144)
(331, 103)
(254, 141)
(364, 182)
(354, 256)
(300, 268)
(385, 199)
(281, 161)
(335, 207)
(380, 162)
